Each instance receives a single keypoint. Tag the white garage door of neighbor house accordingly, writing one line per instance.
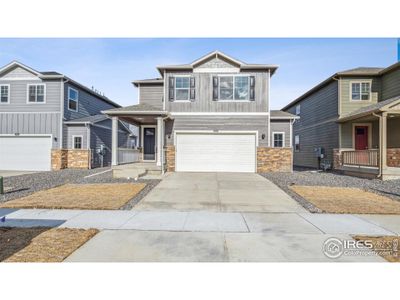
(219, 152)
(25, 153)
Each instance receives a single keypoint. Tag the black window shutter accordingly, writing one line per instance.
(192, 89)
(252, 86)
(171, 89)
(215, 88)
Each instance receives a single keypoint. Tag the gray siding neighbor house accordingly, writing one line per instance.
(48, 121)
(210, 115)
(353, 116)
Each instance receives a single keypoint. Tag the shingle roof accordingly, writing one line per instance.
(89, 119)
(139, 108)
(51, 73)
(151, 80)
(368, 71)
(366, 110)
(279, 114)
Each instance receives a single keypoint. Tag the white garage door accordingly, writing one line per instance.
(25, 153)
(207, 152)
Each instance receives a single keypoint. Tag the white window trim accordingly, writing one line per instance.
(295, 150)
(9, 93)
(298, 110)
(175, 88)
(73, 142)
(360, 82)
(77, 100)
(44, 93)
(273, 138)
(234, 76)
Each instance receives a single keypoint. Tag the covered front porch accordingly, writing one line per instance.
(149, 156)
(369, 141)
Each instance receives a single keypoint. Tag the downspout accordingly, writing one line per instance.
(380, 144)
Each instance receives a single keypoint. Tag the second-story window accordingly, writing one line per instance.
(234, 88)
(298, 110)
(182, 88)
(72, 99)
(36, 93)
(4, 93)
(360, 91)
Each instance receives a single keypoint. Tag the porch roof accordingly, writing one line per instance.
(387, 105)
(138, 109)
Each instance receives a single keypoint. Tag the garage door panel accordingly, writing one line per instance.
(216, 152)
(31, 153)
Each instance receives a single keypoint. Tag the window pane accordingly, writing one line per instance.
(182, 94)
(365, 90)
(32, 93)
(72, 104)
(73, 95)
(242, 88)
(40, 93)
(355, 91)
(226, 88)
(278, 140)
(4, 94)
(182, 82)
(78, 143)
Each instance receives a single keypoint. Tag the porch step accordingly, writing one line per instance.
(136, 170)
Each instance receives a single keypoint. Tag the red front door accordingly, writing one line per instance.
(361, 138)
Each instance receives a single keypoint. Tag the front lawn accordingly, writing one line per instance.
(80, 196)
(41, 244)
(347, 200)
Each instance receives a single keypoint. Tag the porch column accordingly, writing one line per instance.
(114, 141)
(383, 133)
(159, 140)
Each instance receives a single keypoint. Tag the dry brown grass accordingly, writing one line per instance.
(41, 244)
(385, 246)
(347, 200)
(80, 196)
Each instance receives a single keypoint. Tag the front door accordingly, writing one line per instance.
(149, 143)
(361, 138)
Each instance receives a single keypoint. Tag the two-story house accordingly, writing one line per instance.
(49, 121)
(354, 116)
(212, 115)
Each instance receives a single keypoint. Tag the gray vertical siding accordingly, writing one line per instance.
(317, 125)
(228, 123)
(391, 84)
(151, 94)
(88, 105)
(204, 100)
(281, 126)
(32, 123)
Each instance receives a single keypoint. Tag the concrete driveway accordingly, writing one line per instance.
(218, 192)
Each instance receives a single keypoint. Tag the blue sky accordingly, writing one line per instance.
(110, 65)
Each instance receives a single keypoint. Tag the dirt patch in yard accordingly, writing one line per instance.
(347, 200)
(80, 196)
(41, 244)
(385, 246)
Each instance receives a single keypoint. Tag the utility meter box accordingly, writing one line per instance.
(319, 152)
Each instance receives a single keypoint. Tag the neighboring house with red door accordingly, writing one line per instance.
(354, 116)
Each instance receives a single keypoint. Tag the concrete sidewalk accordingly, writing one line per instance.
(198, 221)
(207, 236)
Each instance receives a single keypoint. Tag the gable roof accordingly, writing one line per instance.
(88, 120)
(56, 75)
(360, 71)
(135, 109)
(367, 110)
(219, 54)
(148, 81)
